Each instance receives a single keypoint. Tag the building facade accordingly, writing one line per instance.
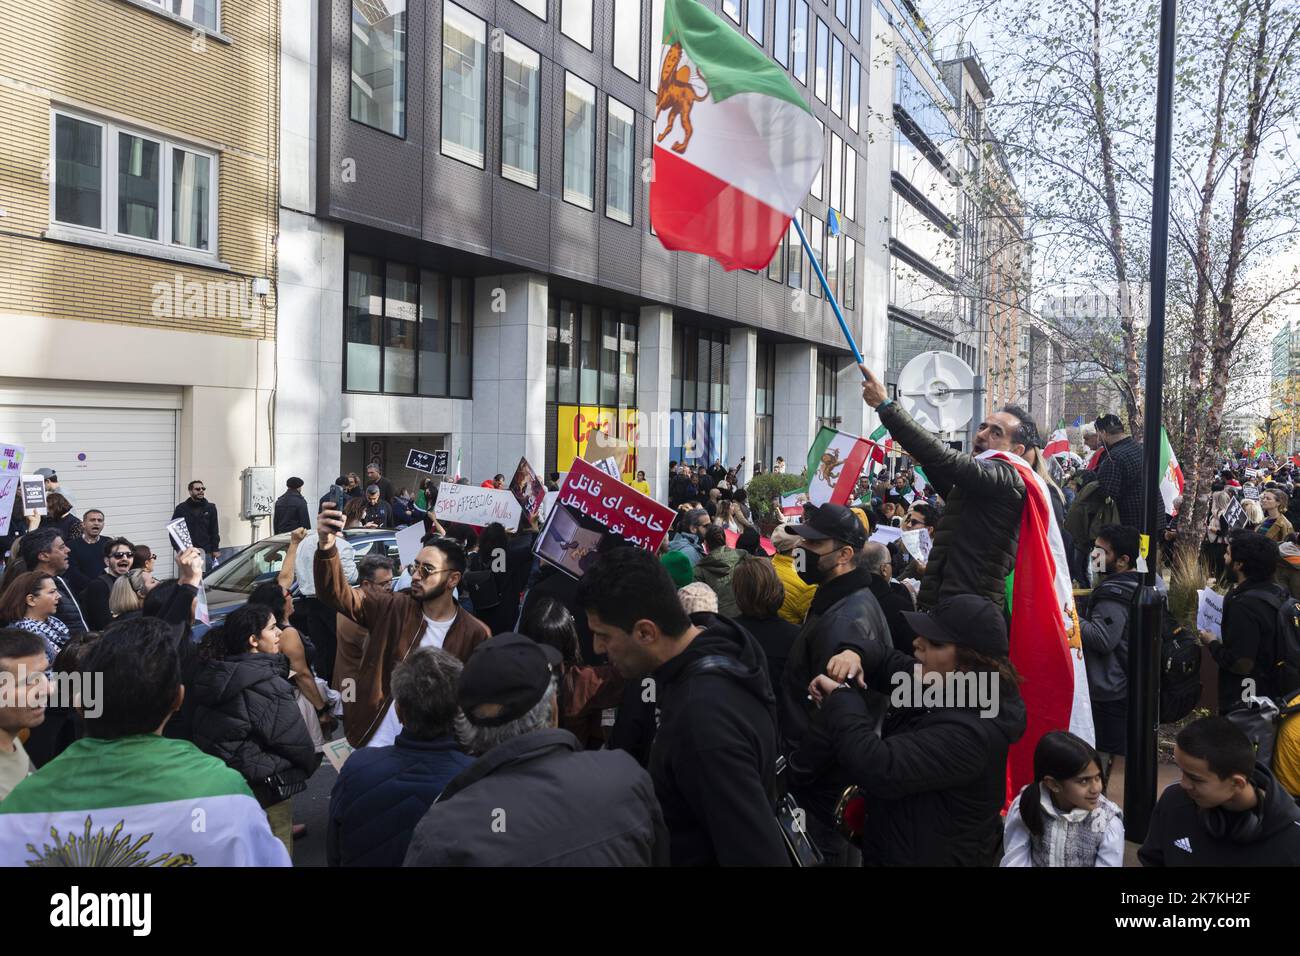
(137, 250)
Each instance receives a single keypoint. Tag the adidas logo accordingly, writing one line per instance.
(1184, 844)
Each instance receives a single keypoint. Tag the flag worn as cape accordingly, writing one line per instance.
(143, 800)
(1046, 648)
(735, 148)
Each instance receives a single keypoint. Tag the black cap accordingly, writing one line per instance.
(294, 483)
(966, 619)
(1108, 423)
(510, 670)
(831, 521)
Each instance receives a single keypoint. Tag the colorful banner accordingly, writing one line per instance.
(11, 474)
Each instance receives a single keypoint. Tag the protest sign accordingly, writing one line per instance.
(918, 544)
(201, 612)
(548, 505)
(467, 504)
(1234, 516)
(424, 461)
(179, 533)
(528, 489)
(565, 543)
(11, 473)
(600, 446)
(1251, 492)
(408, 543)
(34, 495)
(1209, 612)
(623, 510)
(886, 534)
(337, 752)
(609, 466)
(441, 462)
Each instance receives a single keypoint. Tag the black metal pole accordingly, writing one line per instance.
(1144, 642)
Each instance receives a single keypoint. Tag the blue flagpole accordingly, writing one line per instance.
(821, 277)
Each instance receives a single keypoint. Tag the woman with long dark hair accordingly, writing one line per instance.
(278, 598)
(30, 603)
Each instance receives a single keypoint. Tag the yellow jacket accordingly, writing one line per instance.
(798, 595)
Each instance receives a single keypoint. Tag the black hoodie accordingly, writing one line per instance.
(714, 756)
(1178, 837)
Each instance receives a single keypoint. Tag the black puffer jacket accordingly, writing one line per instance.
(975, 543)
(935, 784)
(246, 715)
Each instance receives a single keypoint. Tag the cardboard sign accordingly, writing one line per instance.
(179, 533)
(1251, 492)
(337, 752)
(441, 462)
(467, 504)
(34, 495)
(408, 543)
(417, 460)
(11, 474)
(622, 509)
(565, 543)
(600, 446)
(528, 489)
(1209, 612)
(1234, 515)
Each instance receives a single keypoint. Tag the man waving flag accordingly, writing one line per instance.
(736, 147)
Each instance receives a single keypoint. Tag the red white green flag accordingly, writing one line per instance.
(736, 147)
(1171, 475)
(835, 462)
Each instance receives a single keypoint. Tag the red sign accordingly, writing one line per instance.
(623, 510)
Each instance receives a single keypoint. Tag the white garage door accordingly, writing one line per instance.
(114, 449)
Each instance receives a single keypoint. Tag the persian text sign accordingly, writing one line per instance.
(623, 510)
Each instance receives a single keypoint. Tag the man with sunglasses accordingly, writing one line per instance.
(424, 615)
(201, 519)
(119, 555)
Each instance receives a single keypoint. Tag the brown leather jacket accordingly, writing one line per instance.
(394, 622)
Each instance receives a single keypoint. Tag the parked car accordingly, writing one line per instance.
(228, 585)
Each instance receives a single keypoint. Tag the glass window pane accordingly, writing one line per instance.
(855, 92)
(820, 72)
(850, 276)
(836, 197)
(855, 19)
(821, 170)
(837, 77)
(202, 12)
(831, 264)
(816, 238)
(579, 142)
(732, 9)
(78, 172)
(675, 385)
(800, 40)
(656, 41)
(191, 199)
(566, 353)
(703, 364)
(781, 33)
(379, 64)
(536, 7)
(690, 368)
(850, 182)
(362, 317)
(776, 267)
(627, 37)
(627, 364)
(401, 310)
(520, 103)
(793, 258)
(619, 162)
(433, 333)
(609, 357)
(463, 84)
(575, 21)
(754, 20)
(842, 11)
(139, 183)
(461, 338)
(589, 389)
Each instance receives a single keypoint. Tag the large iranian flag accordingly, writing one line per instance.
(143, 800)
(1171, 475)
(736, 147)
(835, 462)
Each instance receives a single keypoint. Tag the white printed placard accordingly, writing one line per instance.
(467, 504)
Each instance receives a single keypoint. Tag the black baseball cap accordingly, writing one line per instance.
(509, 670)
(1108, 423)
(831, 521)
(966, 619)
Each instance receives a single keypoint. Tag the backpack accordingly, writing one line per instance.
(1180, 655)
(1091, 510)
(1260, 719)
(481, 584)
(1286, 637)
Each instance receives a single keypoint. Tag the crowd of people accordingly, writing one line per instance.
(731, 699)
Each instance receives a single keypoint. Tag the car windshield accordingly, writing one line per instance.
(262, 562)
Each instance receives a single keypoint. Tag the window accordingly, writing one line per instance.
(464, 90)
(701, 385)
(536, 7)
(836, 198)
(837, 77)
(764, 401)
(855, 92)
(379, 64)
(732, 9)
(656, 42)
(579, 142)
(575, 20)
(831, 265)
(828, 370)
(754, 20)
(821, 170)
(800, 41)
(202, 12)
(125, 183)
(850, 182)
(520, 112)
(619, 163)
(850, 274)
(855, 19)
(627, 37)
(842, 11)
(776, 267)
(823, 54)
(793, 257)
(817, 239)
(396, 327)
(781, 33)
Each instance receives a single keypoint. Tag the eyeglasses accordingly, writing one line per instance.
(119, 555)
(153, 557)
(425, 570)
(200, 488)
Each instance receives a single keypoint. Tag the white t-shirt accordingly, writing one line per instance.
(14, 766)
(435, 632)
